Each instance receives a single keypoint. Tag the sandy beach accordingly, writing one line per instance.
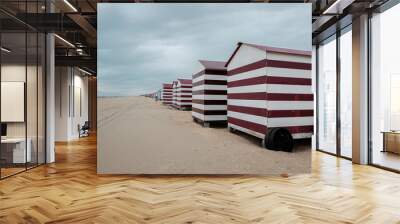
(137, 135)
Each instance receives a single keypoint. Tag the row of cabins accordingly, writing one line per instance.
(151, 95)
(262, 91)
(182, 94)
(210, 93)
(167, 94)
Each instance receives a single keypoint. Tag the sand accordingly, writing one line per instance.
(137, 135)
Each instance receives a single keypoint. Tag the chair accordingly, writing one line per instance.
(84, 130)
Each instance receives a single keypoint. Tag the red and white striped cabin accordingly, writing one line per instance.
(270, 87)
(174, 94)
(184, 94)
(210, 92)
(167, 94)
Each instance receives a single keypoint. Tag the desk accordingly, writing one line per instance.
(15, 148)
(391, 141)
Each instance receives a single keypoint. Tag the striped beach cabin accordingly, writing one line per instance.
(167, 94)
(184, 94)
(209, 93)
(270, 94)
(174, 94)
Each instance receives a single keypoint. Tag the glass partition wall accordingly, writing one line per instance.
(22, 89)
(334, 83)
(327, 95)
(385, 90)
(13, 85)
(345, 92)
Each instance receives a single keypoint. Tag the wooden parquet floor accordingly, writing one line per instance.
(69, 191)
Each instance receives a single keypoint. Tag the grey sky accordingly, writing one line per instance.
(140, 46)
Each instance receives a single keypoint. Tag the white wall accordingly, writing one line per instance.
(33, 126)
(246, 55)
(16, 73)
(70, 83)
(62, 82)
(79, 117)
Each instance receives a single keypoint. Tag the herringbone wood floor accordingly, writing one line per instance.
(69, 191)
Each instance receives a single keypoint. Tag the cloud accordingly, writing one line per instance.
(140, 46)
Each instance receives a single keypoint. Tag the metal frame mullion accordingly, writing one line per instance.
(317, 96)
(45, 88)
(338, 93)
(369, 100)
(37, 91)
(26, 87)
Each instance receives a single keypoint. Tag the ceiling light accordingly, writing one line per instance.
(84, 71)
(70, 5)
(64, 40)
(5, 50)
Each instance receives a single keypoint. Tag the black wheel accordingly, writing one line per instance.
(231, 130)
(279, 139)
(268, 142)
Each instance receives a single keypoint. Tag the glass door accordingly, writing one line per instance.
(22, 98)
(346, 92)
(327, 95)
(14, 153)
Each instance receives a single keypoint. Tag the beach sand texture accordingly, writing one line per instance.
(137, 135)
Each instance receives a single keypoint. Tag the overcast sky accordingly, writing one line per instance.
(140, 46)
